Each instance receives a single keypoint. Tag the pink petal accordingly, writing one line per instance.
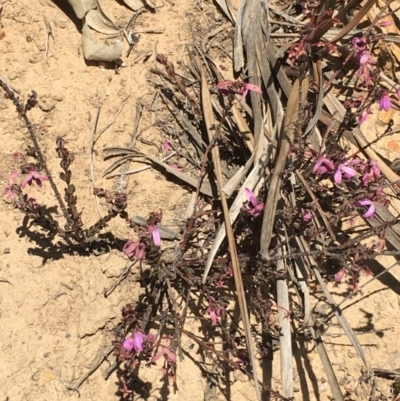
(130, 247)
(27, 180)
(250, 196)
(253, 88)
(385, 23)
(175, 166)
(348, 170)
(140, 253)
(224, 85)
(338, 276)
(128, 344)
(365, 57)
(167, 145)
(169, 354)
(138, 340)
(365, 202)
(156, 357)
(213, 317)
(370, 212)
(307, 216)
(337, 177)
(155, 233)
(259, 208)
(14, 176)
(385, 103)
(363, 118)
(328, 164)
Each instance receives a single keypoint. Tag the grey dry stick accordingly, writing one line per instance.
(287, 136)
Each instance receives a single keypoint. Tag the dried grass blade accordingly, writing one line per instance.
(285, 337)
(287, 136)
(320, 102)
(209, 122)
(243, 128)
(238, 55)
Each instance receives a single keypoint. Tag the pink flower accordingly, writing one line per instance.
(372, 172)
(366, 58)
(345, 171)
(366, 62)
(322, 166)
(134, 249)
(359, 43)
(167, 145)
(252, 88)
(128, 344)
(357, 163)
(307, 216)
(135, 342)
(8, 191)
(167, 353)
(232, 87)
(363, 72)
(138, 339)
(155, 234)
(371, 209)
(33, 176)
(213, 317)
(385, 103)
(175, 166)
(364, 116)
(385, 23)
(253, 206)
(339, 276)
(214, 310)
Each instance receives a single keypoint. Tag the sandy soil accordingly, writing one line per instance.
(54, 317)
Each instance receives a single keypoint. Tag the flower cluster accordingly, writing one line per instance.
(237, 87)
(366, 61)
(135, 249)
(214, 310)
(346, 170)
(134, 343)
(33, 176)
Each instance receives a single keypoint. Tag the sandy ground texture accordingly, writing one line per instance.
(54, 318)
